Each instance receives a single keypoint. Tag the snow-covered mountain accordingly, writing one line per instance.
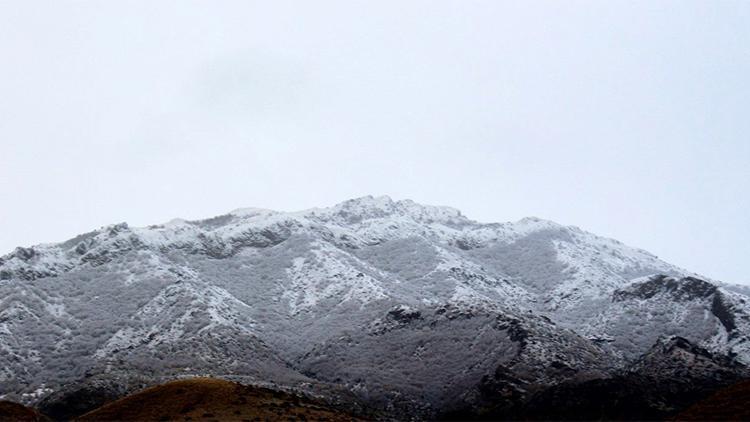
(403, 304)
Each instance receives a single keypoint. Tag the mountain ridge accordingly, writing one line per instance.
(406, 284)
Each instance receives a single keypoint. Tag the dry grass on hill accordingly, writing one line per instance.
(207, 399)
(10, 411)
(727, 404)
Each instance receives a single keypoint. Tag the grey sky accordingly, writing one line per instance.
(628, 119)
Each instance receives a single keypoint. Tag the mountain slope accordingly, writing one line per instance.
(307, 299)
(667, 379)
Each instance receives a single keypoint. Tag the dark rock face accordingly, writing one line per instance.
(467, 244)
(678, 360)
(117, 248)
(262, 238)
(687, 288)
(404, 316)
(25, 254)
(669, 378)
(722, 312)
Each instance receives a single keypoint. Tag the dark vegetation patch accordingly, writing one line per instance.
(67, 404)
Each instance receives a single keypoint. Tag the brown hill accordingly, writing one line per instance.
(208, 399)
(10, 411)
(727, 404)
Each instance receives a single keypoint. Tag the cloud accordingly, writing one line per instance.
(251, 84)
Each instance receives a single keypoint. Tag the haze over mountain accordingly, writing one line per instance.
(404, 308)
(627, 118)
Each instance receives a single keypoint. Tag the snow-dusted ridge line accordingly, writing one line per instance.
(356, 223)
(299, 289)
(364, 205)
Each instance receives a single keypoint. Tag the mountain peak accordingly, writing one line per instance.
(250, 211)
(366, 203)
(373, 207)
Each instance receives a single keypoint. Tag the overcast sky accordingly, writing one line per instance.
(628, 119)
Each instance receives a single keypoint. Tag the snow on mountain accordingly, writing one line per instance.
(701, 311)
(327, 275)
(302, 288)
(173, 314)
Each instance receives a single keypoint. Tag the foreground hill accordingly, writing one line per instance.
(416, 310)
(16, 412)
(727, 404)
(212, 400)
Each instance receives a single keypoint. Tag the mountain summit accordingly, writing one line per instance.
(405, 306)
